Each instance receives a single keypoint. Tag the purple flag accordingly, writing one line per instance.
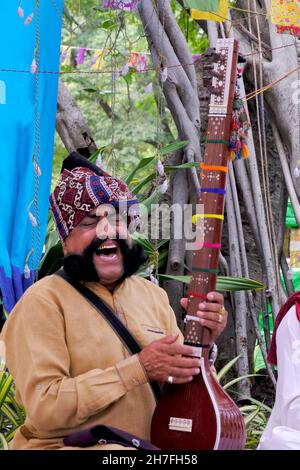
(80, 56)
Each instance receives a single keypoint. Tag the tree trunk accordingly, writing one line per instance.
(71, 124)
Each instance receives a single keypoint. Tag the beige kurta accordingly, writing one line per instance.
(71, 370)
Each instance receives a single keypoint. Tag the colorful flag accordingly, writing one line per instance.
(138, 61)
(294, 30)
(203, 5)
(127, 5)
(219, 15)
(285, 13)
(80, 55)
(97, 59)
(65, 55)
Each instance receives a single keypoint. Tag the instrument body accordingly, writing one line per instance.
(200, 414)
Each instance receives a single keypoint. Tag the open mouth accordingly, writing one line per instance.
(107, 250)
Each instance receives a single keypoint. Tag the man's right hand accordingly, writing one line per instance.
(163, 359)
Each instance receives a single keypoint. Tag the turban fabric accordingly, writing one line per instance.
(83, 187)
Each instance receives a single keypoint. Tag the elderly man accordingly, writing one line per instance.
(71, 369)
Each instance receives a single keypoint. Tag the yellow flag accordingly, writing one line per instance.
(65, 55)
(295, 248)
(220, 15)
(98, 58)
(285, 13)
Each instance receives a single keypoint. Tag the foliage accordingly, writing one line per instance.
(12, 415)
(136, 129)
(255, 413)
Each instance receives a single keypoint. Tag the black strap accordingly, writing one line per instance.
(119, 328)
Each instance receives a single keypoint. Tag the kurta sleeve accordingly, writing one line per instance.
(38, 359)
(283, 429)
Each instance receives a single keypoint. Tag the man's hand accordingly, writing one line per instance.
(212, 314)
(162, 360)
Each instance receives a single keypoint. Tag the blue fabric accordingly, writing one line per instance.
(17, 137)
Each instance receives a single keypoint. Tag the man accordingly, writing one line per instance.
(283, 428)
(70, 368)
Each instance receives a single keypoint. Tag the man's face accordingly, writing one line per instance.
(101, 223)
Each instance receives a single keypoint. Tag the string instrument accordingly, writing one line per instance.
(200, 414)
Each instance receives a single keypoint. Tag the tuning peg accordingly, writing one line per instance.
(211, 54)
(216, 74)
(206, 81)
(205, 95)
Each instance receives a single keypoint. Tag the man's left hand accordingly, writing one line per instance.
(212, 314)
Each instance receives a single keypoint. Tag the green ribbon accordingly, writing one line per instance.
(205, 270)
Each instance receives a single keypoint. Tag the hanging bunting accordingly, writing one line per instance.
(286, 16)
(126, 5)
(138, 61)
(97, 59)
(65, 55)
(219, 15)
(293, 30)
(203, 5)
(80, 55)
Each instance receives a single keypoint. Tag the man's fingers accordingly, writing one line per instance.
(170, 339)
(182, 349)
(178, 372)
(182, 380)
(210, 307)
(211, 325)
(185, 362)
(215, 297)
(212, 316)
(184, 303)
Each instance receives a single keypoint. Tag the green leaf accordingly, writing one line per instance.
(153, 199)
(228, 283)
(13, 418)
(3, 442)
(90, 90)
(142, 164)
(227, 367)
(171, 148)
(128, 78)
(253, 400)
(251, 416)
(94, 156)
(5, 388)
(181, 167)
(168, 277)
(223, 283)
(238, 379)
(143, 183)
(108, 24)
(145, 243)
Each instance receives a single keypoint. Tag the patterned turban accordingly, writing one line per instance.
(81, 189)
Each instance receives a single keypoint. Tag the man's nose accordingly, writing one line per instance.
(106, 229)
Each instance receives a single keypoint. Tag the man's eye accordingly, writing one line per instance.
(88, 224)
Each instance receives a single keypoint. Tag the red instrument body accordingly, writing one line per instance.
(200, 415)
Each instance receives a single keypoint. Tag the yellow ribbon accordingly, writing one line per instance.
(207, 216)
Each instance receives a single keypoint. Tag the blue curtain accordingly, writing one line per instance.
(19, 137)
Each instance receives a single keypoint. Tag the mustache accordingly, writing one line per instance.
(81, 267)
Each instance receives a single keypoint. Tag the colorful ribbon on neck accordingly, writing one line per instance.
(213, 167)
(207, 216)
(213, 190)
